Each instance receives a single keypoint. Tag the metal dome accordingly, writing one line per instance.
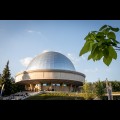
(51, 61)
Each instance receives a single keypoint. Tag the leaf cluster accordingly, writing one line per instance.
(101, 44)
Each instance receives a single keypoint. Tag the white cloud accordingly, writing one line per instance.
(25, 61)
(30, 31)
(94, 70)
(45, 51)
(73, 58)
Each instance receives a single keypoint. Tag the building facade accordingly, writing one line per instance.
(50, 71)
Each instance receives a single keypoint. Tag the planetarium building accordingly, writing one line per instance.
(50, 71)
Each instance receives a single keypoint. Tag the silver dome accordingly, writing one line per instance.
(51, 61)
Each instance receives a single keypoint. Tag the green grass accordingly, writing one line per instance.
(67, 96)
(55, 96)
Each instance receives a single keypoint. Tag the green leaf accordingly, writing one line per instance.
(107, 60)
(106, 52)
(93, 31)
(104, 26)
(106, 31)
(90, 37)
(112, 52)
(95, 53)
(111, 35)
(115, 42)
(85, 49)
(95, 57)
(94, 47)
(87, 37)
(99, 56)
(89, 57)
(100, 34)
(91, 44)
(115, 29)
(99, 43)
(108, 40)
(93, 36)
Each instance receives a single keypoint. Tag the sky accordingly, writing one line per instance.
(22, 40)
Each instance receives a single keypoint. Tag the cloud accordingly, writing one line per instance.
(73, 58)
(45, 51)
(94, 70)
(25, 61)
(30, 31)
(33, 32)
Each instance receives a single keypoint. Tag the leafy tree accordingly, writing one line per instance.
(6, 80)
(115, 86)
(0, 80)
(87, 90)
(17, 88)
(101, 44)
(100, 90)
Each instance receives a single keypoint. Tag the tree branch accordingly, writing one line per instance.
(117, 49)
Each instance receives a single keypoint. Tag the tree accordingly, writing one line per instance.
(87, 90)
(17, 88)
(101, 44)
(100, 90)
(115, 86)
(6, 80)
(0, 82)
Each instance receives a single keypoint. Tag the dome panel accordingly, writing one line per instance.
(51, 60)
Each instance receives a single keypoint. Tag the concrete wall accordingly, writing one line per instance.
(32, 75)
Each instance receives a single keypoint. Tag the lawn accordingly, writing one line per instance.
(55, 96)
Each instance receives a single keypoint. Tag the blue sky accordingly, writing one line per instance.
(22, 40)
